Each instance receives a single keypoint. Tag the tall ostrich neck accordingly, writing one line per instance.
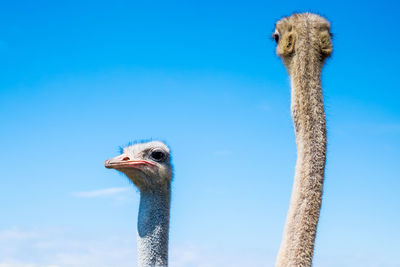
(153, 225)
(310, 129)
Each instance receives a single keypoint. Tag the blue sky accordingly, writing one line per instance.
(80, 79)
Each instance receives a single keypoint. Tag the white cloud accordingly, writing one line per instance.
(67, 248)
(64, 248)
(21, 264)
(101, 192)
(16, 234)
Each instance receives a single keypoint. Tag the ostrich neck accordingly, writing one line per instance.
(153, 225)
(309, 122)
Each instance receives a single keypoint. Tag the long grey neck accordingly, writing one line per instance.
(310, 128)
(153, 226)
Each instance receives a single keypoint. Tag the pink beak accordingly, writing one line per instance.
(123, 161)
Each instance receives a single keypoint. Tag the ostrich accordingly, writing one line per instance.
(148, 166)
(303, 43)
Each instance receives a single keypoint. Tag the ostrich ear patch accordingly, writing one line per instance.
(288, 43)
(325, 43)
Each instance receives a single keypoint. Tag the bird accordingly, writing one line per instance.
(304, 43)
(148, 165)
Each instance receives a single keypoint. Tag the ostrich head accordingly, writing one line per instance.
(147, 165)
(308, 30)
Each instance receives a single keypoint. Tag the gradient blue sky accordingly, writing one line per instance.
(80, 78)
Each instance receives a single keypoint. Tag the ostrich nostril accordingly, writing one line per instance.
(126, 158)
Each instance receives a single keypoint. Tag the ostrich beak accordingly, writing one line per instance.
(123, 161)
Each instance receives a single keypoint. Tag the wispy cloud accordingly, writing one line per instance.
(66, 248)
(63, 248)
(21, 264)
(16, 234)
(102, 192)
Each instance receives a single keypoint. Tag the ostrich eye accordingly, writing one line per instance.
(157, 155)
(276, 37)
